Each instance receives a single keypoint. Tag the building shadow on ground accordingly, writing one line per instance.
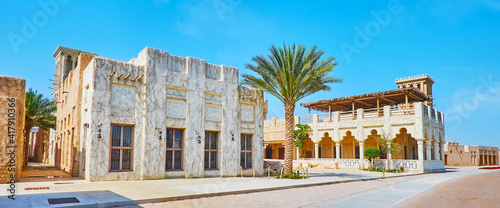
(69, 199)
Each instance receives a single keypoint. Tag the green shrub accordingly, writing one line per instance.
(371, 153)
(290, 175)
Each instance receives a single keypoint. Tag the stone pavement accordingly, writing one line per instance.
(39, 172)
(371, 193)
(471, 191)
(120, 193)
(399, 193)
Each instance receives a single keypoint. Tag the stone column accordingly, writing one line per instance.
(361, 153)
(389, 156)
(337, 150)
(316, 150)
(428, 150)
(420, 143)
(436, 150)
(441, 150)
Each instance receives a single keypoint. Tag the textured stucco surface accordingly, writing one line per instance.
(156, 91)
(12, 99)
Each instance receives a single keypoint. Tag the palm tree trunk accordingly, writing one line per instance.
(289, 126)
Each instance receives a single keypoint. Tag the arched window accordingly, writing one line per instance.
(67, 66)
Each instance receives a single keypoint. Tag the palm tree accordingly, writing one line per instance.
(39, 112)
(290, 74)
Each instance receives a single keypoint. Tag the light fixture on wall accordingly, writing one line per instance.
(159, 132)
(199, 137)
(232, 135)
(99, 131)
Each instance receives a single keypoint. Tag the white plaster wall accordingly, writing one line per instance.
(182, 81)
(98, 150)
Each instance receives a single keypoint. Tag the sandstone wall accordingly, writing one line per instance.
(12, 99)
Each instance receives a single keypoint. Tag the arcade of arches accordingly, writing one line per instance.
(349, 146)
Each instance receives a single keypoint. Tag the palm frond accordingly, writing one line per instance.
(292, 72)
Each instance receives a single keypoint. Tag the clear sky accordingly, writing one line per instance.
(455, 41)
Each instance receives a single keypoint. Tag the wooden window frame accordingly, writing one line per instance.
(212, 150)
(121, 148)
(247, 151)
(175, 149)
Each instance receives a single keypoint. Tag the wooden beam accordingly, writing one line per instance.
(361, 102)
(386, 99)
(415, 97)
(342, 106)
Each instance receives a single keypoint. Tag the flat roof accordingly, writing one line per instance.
(366, 101)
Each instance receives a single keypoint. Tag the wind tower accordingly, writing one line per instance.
(422, 82)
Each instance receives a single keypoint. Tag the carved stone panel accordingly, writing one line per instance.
(176, 109)
(176, 93)
(123, 96)
(213, 113)
(213, 98)
(247, 113)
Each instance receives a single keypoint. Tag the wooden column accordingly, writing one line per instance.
(353, 107)
(308, 115)
(330, 112)
(378, 107)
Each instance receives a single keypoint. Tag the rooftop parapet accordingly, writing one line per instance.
(412, 78)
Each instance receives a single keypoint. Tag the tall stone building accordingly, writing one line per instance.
(69, 67)
(155, 116)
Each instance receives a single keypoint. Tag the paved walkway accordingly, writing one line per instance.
(363, 190)
(386, 192)
(113, 193)
(399, 193)
(40, 172)
(472, 191)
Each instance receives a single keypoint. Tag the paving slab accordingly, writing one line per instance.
(120, 193)
(399, 193)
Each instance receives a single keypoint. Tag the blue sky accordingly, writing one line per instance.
(456, 42)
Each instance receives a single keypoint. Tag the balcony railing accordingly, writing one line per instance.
(344, 116)
(305, 119)
(347, 115)
(403, 109)
(325, 118)
(373, 113)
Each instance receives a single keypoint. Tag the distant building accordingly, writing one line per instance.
(38, 145)
(470, 155)
(155, 116)
(351, 124)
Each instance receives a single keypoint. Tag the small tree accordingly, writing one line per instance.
(300, 134)
(388, 146)
(371, 153)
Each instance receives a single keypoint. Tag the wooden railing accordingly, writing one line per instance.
(305, 119)
(325, 118)
(347, 115)
(373, 113)
(403, 109)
